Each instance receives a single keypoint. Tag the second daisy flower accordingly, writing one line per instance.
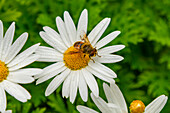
(78, 57)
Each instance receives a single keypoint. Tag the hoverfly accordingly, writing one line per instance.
(85, 47)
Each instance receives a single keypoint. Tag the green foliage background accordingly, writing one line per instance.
(145, 30)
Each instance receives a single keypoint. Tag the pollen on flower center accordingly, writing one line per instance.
(3, 71)
(75, 59)
(137, 106)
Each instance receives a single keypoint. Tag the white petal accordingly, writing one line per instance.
(156, 105)
(1, 37)
(73, 85)
(27, 72)
(50, 75)
(109, 58)
(101, 104)
(22, 56)
(20, 78)
(48, 50)
(8, 38)
(8, 111)
(63, 33)
(115, 96)
(52, 41)
(17, 91)
(70, 27)
(66, 87)
(83, 87)
(3, 101)
(97, 32)
(102, 69)
(110, 49)
(56, 82)
(84, 109)
(107, 39)
(82, 24)
(49, 59)
(1, 31)
(52, 33)
(1, 47)
(48, 54)
(91, 82)
(47, 70)
(16, 47)
(54, 38)
(26, 62)
(100, 76)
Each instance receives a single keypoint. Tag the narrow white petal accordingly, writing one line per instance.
(55, 38)
(1, 37)
(47, 50)
(73, 85)
(22, 56)
(50, 75)
(156, 105)
(115, 96)
(66, 87)
(101, 104)
(63, 33)
(26, 62)
(16, 47)
(48, 54)
(52, 33)
(110, 49)
(100, 76)
(8, 38)
(8, 111)
(1, 47)
(84, 109)
(107, 39)
(3, 101)
(47, 70)
(163, 104)
(1, 31)
(91, 82)
(23, 79)
(109, 58)
(102, 69)
(27, 72)
(97, 32)
(56, 82)
(83, 87)
(17, 91)
(52, 41)
(82, 23)
(70, 27)
(49, 59)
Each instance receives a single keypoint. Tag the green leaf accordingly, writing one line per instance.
(10, 15)
(39, 110)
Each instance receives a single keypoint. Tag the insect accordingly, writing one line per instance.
(85, 47)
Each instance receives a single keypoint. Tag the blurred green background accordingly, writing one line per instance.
(145, 30)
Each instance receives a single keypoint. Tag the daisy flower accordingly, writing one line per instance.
(78, 57)
(10, 66)
(116, 103)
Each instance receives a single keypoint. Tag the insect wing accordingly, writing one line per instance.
(72, 52)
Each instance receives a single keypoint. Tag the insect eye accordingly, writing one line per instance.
(92, 54)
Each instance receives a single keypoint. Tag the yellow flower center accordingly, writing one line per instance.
(3, 71)
(75, 59)
(137, 106)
